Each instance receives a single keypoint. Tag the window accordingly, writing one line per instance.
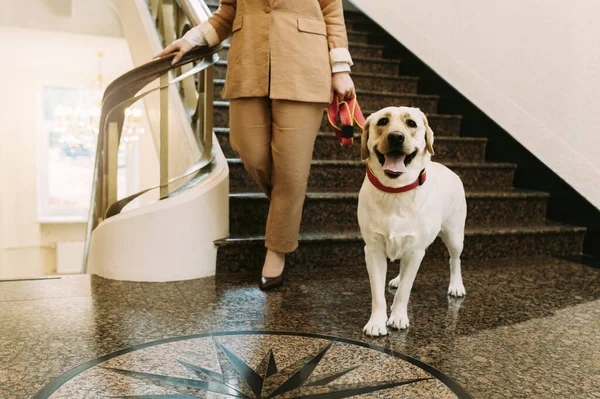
(69, 133)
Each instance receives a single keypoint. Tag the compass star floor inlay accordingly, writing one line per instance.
(253, 365)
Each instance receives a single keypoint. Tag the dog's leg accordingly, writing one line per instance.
(409, 265)
(454, 240)
(377, 268)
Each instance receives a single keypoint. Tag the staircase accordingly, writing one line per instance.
(503, 222)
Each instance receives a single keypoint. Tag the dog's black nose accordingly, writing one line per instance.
(395, 139)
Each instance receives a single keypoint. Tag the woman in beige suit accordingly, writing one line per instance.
(286, 59)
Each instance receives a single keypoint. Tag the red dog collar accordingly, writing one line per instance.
(349, 112)
(396, 190)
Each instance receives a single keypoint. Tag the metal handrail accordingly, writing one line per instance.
(173, 19)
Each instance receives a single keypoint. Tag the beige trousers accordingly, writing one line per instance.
(275, 140)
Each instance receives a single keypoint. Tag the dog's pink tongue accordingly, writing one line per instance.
(394, 164)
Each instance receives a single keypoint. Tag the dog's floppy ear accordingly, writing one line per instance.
(364, 148)
(428, 135)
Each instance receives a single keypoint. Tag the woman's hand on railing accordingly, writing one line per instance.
(181, 46)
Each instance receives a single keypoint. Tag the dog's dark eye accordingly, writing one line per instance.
(411, 123)
(383, 122)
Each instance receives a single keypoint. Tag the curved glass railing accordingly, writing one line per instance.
(193, 75)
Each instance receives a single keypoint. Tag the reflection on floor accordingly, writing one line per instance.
(527, 330)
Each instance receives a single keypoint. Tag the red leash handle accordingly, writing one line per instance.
(348, 112)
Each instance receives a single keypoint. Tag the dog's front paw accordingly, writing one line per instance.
(399, 322)
(395, 282)
(375, 327)
(457, 289)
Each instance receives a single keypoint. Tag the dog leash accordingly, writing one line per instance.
(348, 112)
(396, 190)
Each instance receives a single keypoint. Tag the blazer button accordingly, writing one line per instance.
(267, 9)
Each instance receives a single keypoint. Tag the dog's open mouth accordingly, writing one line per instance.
(395, 162)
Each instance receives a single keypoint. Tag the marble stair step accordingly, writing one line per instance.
(336, 212)
(358, 37)
(377, 100)
(347, 176)
(360, 50)
(327, 146)
(385, 83)
(355, 16)
(347, 249)
(442, 125)
(362, 26)
(363, 81)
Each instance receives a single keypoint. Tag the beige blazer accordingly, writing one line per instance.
(283, 49)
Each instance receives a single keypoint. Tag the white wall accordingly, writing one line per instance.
(532, 65)
(34, 58)
(92, 17)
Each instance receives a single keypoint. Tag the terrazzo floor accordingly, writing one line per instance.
(526, 329)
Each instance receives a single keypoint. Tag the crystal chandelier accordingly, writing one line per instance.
(78, 124)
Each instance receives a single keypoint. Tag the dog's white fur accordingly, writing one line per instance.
(402, 226)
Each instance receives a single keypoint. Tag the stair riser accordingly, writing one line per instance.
(380, 68)
(350, 253)
(329, 148)
(358, 37)
(399, 85)
(248, 215)
(442, 126)
(336, 178)
(220, 72)
(362, 26)
(378, 101)
(355, 51)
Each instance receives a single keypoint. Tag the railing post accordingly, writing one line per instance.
(199, 125)
(112, 165)
(207, 123)
(164, 136)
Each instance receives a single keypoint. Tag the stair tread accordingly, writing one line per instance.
(380, 60)
(382, 76)
(502, 194)
(549, 227)
(328, 162)
(393, 94)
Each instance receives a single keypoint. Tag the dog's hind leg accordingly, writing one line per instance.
(409, 265)
(377, 268)
(454, 240)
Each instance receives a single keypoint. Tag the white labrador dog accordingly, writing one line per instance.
(401, 210)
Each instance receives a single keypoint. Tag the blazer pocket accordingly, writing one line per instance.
(237, 24)
(312, 26)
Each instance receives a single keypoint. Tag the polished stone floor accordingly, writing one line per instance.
(527, 329)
